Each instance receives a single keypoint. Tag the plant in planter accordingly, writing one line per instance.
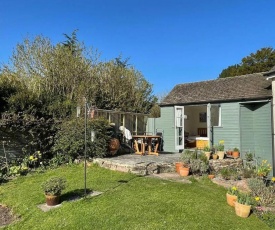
(207, 151)
(52, 189)
(220, 149)
(185, 159)
(211, 175)
(236, 153)
(178, 165)
(229, 152)
(264, 169)
(243, 205)
(232, 195)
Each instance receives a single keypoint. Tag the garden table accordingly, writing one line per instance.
(146, 140)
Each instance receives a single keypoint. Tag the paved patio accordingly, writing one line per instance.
(139, 164)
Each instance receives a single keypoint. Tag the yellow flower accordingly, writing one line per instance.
(234, 188)
(257, 198)
(273, 179)
(31, 158)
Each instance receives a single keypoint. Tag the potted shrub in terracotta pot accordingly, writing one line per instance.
(236, 153)
(229, 153)
(186, 156)
(52, 189)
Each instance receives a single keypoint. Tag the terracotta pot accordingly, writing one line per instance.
(235, 154)
(231, 199)
(114, 146)
(211, 176)
(52, 200)
(215, 156)
(178, 166)
(220, 154)
(184, 171)
(229, 153)
(242, 210)
(207, 154)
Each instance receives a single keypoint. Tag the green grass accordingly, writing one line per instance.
(128, 202)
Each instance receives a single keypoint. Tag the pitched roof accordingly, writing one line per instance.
(270, 72)
(240, 88)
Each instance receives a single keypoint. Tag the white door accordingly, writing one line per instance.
(179, 127)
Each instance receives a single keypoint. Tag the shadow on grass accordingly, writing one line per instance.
(75, 194)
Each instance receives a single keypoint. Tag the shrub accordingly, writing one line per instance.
(198, 162)
(249, 156)
(186, 156)
(248, 173)
(35, 133)
(70, 138)
(54, 186)
(259, 189)
(225, 173)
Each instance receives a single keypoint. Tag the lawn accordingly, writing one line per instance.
(127, 202)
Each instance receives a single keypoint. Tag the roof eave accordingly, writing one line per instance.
(215, 101)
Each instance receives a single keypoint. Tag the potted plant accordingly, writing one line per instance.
(243, 205)
(207, 151)
(229, 152)
(236, 153)
(220, 149)
(232, 195)
(186, 156)
(52, 189)
(211, 175)
(264, 169)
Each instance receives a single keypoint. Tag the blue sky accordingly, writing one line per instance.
(169, 41)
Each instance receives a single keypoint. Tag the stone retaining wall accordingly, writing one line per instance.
(139, 168)
(217, 165)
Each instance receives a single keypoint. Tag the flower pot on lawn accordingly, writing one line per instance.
(231, 199)
(242, 210)
(52, 200)
(52, 189)
(178, 166)
(184, 171)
